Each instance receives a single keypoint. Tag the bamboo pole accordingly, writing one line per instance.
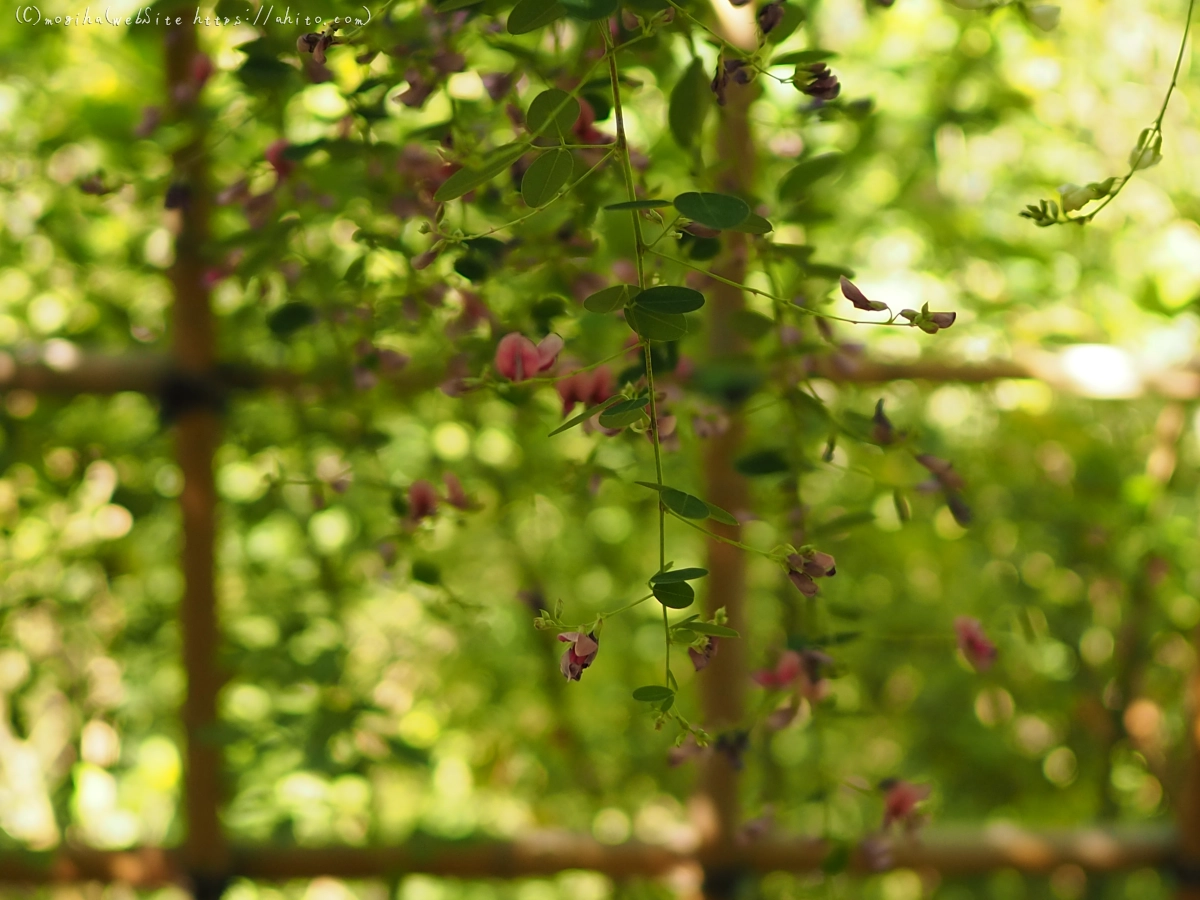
(715, 804)
(950, 851)
(198, 432)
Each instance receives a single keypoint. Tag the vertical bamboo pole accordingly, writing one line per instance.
(723, 686)
(197, 433)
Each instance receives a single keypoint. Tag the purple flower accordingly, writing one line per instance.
(823, 84)
(770, 16)
(579, 655)
(852, 293)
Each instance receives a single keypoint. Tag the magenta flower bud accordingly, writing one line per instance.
(823, 84)
(422, 500)
(882, 431)
(943, 319)
(974, 644)
(852, 293)
(455, 495)
(900, 799)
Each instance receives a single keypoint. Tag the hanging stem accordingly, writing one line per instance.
(622, 151)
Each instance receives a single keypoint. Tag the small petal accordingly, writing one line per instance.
(516, 357)
(547, 351)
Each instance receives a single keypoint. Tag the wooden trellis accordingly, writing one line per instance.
(206, 862)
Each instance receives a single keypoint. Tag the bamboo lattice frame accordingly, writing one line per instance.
(205, 862)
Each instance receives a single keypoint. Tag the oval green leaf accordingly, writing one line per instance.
(714, 210)
(762, 462)
(466, 180)
(754, 224)
(610, 299)
(624, 413)
(584, 416)
(719, 515)
(530, 15)
(655, 325)
(801, 176)
(678, 575)
(653, 693)
(676, 595)
(690, 99)
(669, 298)
(802, 57)
(290, 318)
(639, 204)
(553, 112)
(686, 505)
(546, 177)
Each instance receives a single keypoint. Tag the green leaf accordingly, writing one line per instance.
(653, 693)
(639, 204)
(667, 704)
(827, 270)
(590, 10)
(466, 180)
(553, 112)
(840, 637)
(690, 102)
(584, 416)
(655, 325)
(762, 462)
(452, 5)
(611, 298)
(546, 177)
(627, 412)
(719, 515)
(686, 505)
(674, 595)
(290, 318)
(678, 575)
(803, 57)
(714, 210)
(530, 15)
(754, 224)
(709, 629)
(669, 298)
(794, 182)
(836, 861)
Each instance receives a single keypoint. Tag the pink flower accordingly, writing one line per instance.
(700, 658)
(587, 387)
(799, 671)
(518, 359)
(803, 568)
(900, 799)
(974, 644)
(422, 500)
(579, 655)
(786, 670)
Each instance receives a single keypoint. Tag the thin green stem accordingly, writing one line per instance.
(533, 212)
(802, 309)
(627, 606)
(1154, 131)
(640, 254)
(724, 540)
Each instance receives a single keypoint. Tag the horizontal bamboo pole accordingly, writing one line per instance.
(953, 852)
(77, 373)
